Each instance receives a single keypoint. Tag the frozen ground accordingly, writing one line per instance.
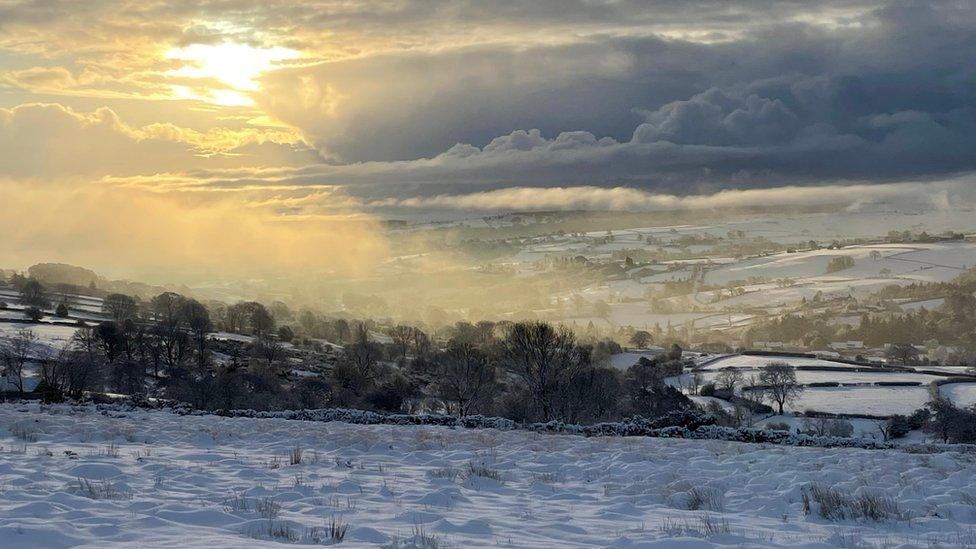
(871, 400)
(757, 361)
(805, 377)
(50, 338)
(151, 479)
(962, 394)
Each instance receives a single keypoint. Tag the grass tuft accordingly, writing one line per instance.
(832, 504)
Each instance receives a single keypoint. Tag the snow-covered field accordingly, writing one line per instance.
(962, 394)
(50, 338)
(875, 401)
(936, 262)
(863, 378)
(152, 479)
(757, 361)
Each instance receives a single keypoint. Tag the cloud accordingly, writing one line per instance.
(45, 140)
(416, 99)
(885, 94)
(927, 195)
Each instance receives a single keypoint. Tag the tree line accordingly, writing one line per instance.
(526, 371)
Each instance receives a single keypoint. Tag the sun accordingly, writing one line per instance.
(236, 66)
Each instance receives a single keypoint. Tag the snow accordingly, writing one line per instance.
(758, 361)
(936, 262)
(863, 428)
(863, 394)
(704, 401)
(961, 394)
(875, 401)
(625, 360)
(51, 338)
(928, 304)
(850, 377)
(159, 479)
(229, 336)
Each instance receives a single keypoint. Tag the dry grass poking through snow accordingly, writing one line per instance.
(73, 475)
(833, 504)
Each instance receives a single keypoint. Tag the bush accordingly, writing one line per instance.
(391, 395)
(286, 334)
(840, 428)
(825, 427)
(898, 426)
(707, 390)
(951, 423)
(919, 417)
(61, 311)
(840, 263)
(835, 505)
(34, 313)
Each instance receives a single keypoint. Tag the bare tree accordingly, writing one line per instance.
(269, 349)
(421, 343)
(33, 293)
(401, 336)
(120, 307)
(341, 329)
(729, 378)
(902, 353)
(649, 394)
(779, 385)
(466, 374)
(197, 319)
(236, 317)
(260, 320)
(15, 354)
(485, 333)
(81, 364)
(363, 353)
(544, 359)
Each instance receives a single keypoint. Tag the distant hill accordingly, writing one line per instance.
(87, 282)
(62, 273)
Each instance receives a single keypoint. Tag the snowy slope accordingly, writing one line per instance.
(161, 480)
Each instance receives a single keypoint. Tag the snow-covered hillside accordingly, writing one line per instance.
(70, 476)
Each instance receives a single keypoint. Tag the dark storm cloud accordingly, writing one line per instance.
(889, 94)
(427, 97)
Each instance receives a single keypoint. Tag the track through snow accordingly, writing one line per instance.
(154, 479)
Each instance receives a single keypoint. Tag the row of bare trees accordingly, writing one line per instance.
(531, 371)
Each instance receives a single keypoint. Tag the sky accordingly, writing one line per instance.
(329, 114)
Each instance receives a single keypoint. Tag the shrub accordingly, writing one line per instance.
(391, 395)
(285, 333)
(706, 498)
(707, 389)
(34, 313)
(840, 428)
(295, 456)
(839, 263)
(337, 530)
(898, 426)
(825, 427)
(482, 470)
(103, 489)
(951, 423)
(832, 504)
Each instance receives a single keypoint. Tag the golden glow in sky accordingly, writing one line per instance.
(236, 66)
